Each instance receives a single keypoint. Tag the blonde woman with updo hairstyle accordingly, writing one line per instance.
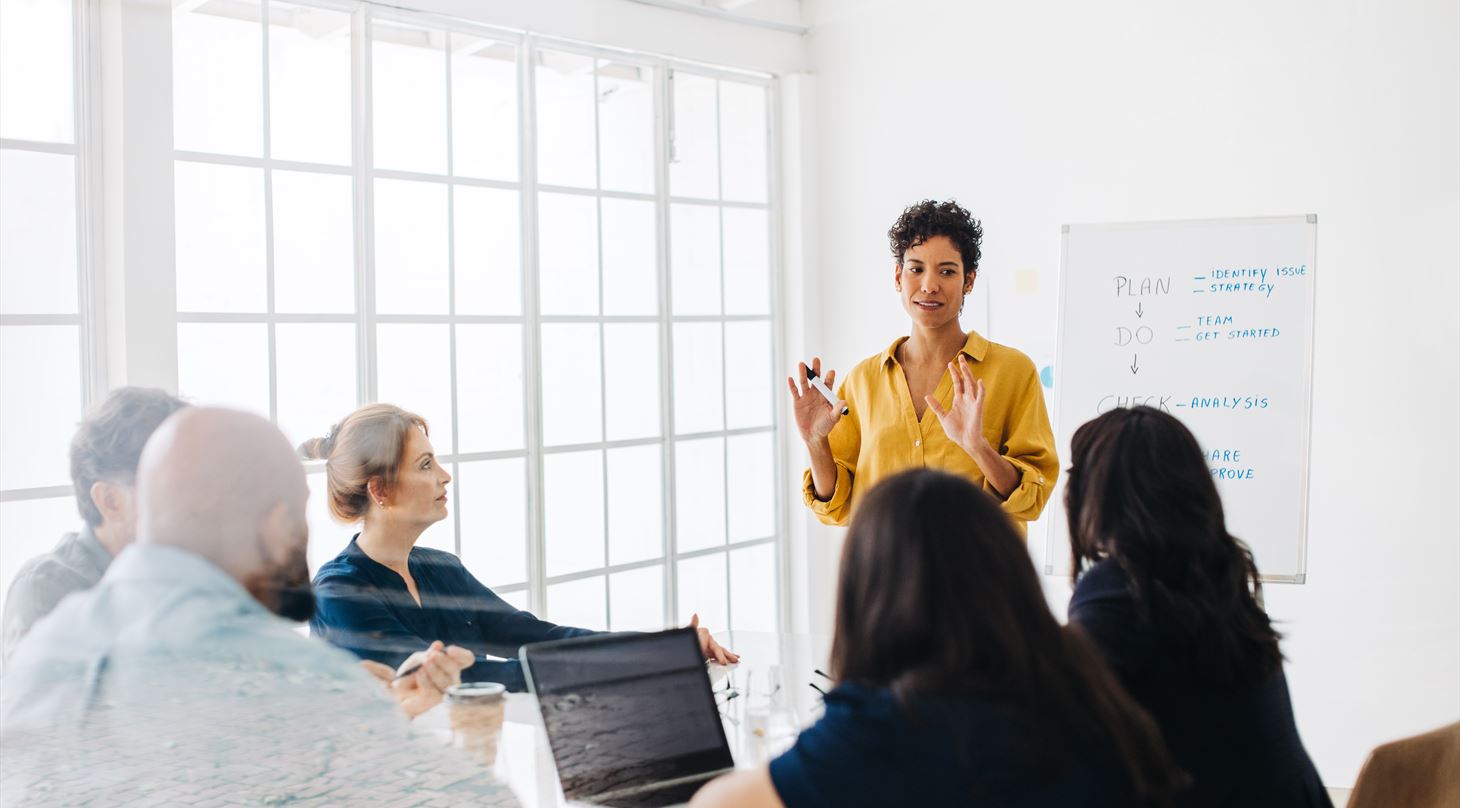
(383, 598)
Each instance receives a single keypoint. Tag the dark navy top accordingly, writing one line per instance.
(1240, 745)
(869, 750)
(364, 607)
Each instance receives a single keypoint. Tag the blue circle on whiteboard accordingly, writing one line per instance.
(1046, 376)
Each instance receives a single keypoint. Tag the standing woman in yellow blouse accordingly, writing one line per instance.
(939, 398)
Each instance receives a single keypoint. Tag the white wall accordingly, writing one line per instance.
(1038, 114)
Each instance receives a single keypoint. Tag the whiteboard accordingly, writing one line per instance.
(1211, 321)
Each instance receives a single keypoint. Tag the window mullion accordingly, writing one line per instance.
(362, 112)
(532, 339)
(264, 36)
(451, 289)
(663, 141)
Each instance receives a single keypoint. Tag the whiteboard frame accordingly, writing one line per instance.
(1310, 311)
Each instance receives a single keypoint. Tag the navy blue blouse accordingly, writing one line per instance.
(364, 607)
(1240, 745)
(869, 750)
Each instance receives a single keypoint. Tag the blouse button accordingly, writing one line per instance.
(917, 443)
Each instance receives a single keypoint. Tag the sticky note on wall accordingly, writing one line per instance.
(1026, 281)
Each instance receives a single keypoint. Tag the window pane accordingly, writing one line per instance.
(410, 247)
(626, 127)
(31, 527)
(636, 599)
(699, 494)
(751, 477)
(491, 501)
(573, 496)
(409, 74)
(577, 603)
(743, 139)
(315, 367)
(414, 372)
(702, 591)
(35, 71)
(694, 259)
(635, 504)
(694, 168)
(483, 108)
(631, 356)
(225, 364)
(220, 238)
(567, 227)
(630, 271)
(37, 233)
(753, 588)
(40, 374)
(489, 387)
(565, 119)
(327, 537)
(699, 404)
(217, 80)
(488, 236)
(572, 389)
(309, 84)
(748, 400)
(747, 261)
(314, 243)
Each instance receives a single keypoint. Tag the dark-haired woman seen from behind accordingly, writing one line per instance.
(956, 684)
(1170, 597)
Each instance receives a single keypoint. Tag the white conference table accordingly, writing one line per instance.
(757, 726)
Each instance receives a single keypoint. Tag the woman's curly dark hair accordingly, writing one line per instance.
(930, 218)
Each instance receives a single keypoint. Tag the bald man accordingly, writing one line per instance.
(175, 679)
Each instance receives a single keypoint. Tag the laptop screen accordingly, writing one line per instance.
(627, 710)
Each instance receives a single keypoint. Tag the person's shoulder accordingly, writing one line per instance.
(434, 556)
(1009, 359)
(1105, 580)
(345, 566)
(856, 702)
(47, 567)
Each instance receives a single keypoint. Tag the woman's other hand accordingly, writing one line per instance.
(963, 420)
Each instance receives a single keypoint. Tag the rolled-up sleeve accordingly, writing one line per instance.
(1029, 445)
(846, 444)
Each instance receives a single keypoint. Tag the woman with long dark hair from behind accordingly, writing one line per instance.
(1172, 600)
(956, 686)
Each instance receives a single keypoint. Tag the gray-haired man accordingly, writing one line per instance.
(104, 455)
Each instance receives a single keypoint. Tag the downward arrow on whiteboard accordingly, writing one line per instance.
(1139, 312)
(1135, 364)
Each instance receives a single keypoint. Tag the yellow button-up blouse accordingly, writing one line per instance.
(882, 435)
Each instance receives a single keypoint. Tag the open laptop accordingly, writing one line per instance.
(630, 717)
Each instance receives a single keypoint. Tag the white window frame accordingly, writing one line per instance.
(364, 174)
(89, 318)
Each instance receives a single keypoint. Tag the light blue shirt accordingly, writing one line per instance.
(168, 683)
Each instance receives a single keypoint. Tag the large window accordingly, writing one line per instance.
(560, 256)
(45, 330)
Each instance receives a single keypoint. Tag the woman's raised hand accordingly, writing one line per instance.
(963, 420)
(814, 415)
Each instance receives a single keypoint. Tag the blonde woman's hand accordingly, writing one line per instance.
(712, 651)
(437, 668)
